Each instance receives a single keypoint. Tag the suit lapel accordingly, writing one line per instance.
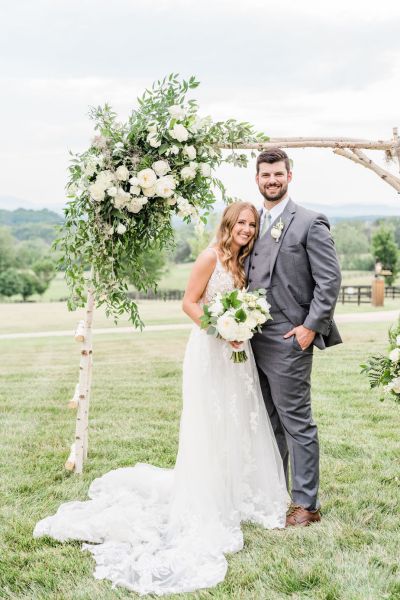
(287, 218)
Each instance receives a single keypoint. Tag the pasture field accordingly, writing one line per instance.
(351, 555)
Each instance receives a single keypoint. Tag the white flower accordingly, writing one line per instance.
(136, 204)
(260, 316)
(121, 198)
(398, 340)
(149, 192)
(89, 169)
(251, 320)
(110, 231)
(165, 186)
(112, 191)
(243, 332)
(394, 355)
(190, 152)
(227, 327)
(152, 128)
(395, 385)
(179, 132)
(205, 169)
(105, 178)
(188, 173)
(263, 304)
(96, 191)
(146, 178)
(216, 308)
(122, 173)
(161, 167)
(153, 140)
(134, 181)
(171, 201)
(177, 112)
(194, 165)
(185, 208)
(172, 150)
(121, 228)
(134, 190)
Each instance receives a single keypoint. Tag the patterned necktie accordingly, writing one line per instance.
(266, 223)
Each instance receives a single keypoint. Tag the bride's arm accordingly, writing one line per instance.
(201, 273)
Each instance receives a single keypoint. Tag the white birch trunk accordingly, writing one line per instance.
(81, 429)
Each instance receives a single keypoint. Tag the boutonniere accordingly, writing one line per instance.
(276, 230)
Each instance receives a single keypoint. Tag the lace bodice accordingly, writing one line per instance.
(220, 281)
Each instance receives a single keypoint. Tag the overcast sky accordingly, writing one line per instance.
(291, 68)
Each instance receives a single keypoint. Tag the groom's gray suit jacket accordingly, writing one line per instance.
(300, 272)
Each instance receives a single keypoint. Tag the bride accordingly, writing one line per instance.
(165, 531)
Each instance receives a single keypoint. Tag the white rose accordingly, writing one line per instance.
(134, 181)
(146, 178)
(179, 132)
(394, 355)
(227, 327)
(110, 231)
(190, 152)
(172, 150)
(194, 165)
(171, 201)
(165, 187)
(153, 140)
(216, 308)
(96, 192)
(121, 228)
(105, 178)
(395, 385)
(261, 318)
(152, 128)
(205, 169)
(149, 192)
(177, 112)
(161, 167)
(122, 173)
(90, 169)
(243, 332)
(112, 191)
(121, 198)
(188, 173)
(135, 205)
(195, 126)
(134, 190)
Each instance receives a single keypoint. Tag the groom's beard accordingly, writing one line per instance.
(274, 193)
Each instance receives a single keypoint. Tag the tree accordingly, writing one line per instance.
(7, 254)
(10, 282)
(30, 284)
(45, 270)
(353, 246)
(29, 252)
(385, 250)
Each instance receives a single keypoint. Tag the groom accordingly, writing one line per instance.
(295, 260)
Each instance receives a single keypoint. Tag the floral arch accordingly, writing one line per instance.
(125, 187)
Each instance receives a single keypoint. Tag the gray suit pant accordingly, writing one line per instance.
(285, 371)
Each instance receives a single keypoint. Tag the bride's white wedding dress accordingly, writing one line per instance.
(164, 531)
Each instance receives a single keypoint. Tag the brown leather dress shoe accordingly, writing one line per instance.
(301, 517)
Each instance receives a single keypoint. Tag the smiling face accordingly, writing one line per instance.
(273, 180)
(244, 229)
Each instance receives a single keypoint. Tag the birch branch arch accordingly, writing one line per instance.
(352, 149)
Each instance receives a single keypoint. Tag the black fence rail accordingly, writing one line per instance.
(362, 294)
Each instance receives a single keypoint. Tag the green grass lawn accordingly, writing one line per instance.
(351, 555)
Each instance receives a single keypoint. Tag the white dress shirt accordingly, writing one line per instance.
(275, 212)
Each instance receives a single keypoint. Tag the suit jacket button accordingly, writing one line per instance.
(250, 280)
(252, 267)
(255, 253)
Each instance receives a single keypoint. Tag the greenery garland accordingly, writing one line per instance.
(133, 178)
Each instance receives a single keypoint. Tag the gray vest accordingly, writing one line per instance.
(259, 271)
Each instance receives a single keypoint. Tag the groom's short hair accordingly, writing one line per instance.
(273, 155)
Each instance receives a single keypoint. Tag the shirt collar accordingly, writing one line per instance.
(277, 210)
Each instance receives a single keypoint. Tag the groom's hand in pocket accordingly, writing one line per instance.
(304, 336)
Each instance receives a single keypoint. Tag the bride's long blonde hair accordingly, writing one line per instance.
(224, 241)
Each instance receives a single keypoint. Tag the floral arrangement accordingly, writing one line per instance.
(235, 317)
(133, 178)
(385, 370)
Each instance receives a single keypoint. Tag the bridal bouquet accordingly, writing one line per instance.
(235, 317)
(385, 370)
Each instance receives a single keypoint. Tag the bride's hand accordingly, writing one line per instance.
(236, 345)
